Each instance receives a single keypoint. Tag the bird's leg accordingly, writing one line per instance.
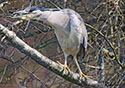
(80, 71)
(64, 66)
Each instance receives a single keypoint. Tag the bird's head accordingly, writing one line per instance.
(32, 13)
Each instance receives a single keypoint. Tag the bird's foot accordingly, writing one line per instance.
(85, 76)
(64, 67)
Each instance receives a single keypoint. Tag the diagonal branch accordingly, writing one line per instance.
(46, 62)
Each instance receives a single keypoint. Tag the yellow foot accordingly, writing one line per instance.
(85, 76)
(64, 66)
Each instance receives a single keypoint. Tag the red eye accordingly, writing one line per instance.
(31, 10)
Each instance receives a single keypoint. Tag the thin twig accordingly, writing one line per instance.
(118, 61)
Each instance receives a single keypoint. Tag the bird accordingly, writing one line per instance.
(69, 29)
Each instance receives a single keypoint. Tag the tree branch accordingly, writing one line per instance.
(46, 62)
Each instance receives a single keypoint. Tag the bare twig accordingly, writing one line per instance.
(118, 61)
(101, 65)
(3, 73)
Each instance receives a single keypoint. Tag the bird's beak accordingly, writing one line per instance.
(21, 14)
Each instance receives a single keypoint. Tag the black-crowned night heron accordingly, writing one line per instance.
(69, 29)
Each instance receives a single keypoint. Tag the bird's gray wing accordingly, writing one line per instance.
(83, 43)
(83, 32)
(80, 27)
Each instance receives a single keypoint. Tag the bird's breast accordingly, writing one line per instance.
(68, 42)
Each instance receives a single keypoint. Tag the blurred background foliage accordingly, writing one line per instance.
(105, 23)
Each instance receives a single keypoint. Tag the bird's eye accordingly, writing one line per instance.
(31, 10)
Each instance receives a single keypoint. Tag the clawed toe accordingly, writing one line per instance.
(64, 67)
(85, 76)
(60, 63)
